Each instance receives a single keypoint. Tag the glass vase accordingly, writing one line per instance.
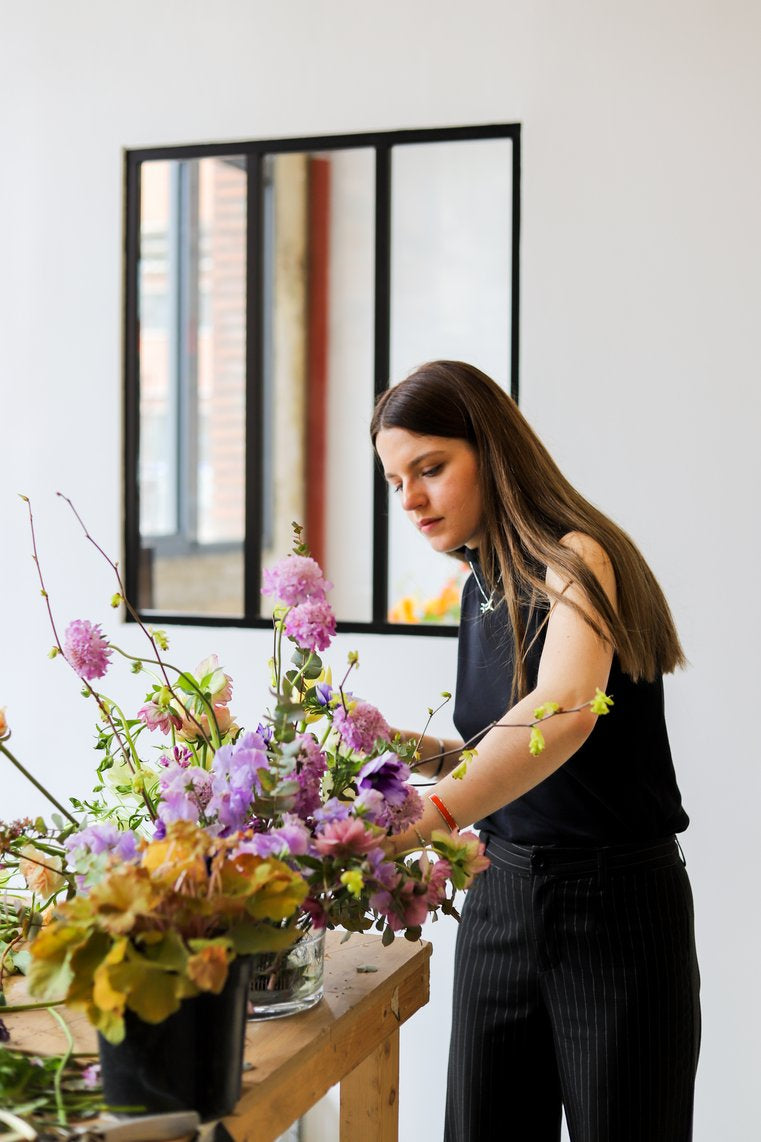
(284, 983)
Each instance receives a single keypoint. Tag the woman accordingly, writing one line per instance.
(576, 978)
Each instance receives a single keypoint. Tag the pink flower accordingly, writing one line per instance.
(406, 907)
(295, 579)
(311, 624)
(345, 838)
(159, 718)
(361, 726)
(86, 649)
(436, 874)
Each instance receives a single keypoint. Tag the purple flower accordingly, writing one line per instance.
(103, 838)
(185, 792)
(384, 872)
(369, 803)
(333, 810)
(295, 579)
(291, 839)
(86, 649)
(311, 764)
(400, 817)
(323, 693)
(265, 733)
(361, 726)
(91, 1076)
(234, 779)
(311, 624)
(388, 774)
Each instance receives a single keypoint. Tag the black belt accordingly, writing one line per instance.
(579, 860)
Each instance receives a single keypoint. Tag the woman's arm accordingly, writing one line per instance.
(574, 663)
(433, 751)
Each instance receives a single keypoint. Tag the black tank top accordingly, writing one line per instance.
(619, 786)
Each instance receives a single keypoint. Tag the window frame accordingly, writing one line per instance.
(255, 151)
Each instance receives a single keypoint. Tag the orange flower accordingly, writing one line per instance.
(3, 724)
(41, 871)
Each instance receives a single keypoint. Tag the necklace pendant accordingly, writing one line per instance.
(488, 605)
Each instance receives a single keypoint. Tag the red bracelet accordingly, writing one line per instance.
(444, 813)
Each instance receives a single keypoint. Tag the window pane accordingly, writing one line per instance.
(451, 256)
(319, 321)
(191, 308)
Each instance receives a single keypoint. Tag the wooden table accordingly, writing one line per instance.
(351, 1037)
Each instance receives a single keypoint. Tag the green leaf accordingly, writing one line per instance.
(248, 938)
(536, 742)
(601, 703)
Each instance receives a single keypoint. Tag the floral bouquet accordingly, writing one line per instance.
(222, 840)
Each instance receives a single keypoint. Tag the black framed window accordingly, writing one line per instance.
(272, 289)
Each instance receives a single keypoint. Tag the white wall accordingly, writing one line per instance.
(640, 353)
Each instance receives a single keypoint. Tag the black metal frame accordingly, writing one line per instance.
(255, 150)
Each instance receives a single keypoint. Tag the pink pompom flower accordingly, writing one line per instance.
(360, 726)
(295, 579)
(86, 649)
(311, 624)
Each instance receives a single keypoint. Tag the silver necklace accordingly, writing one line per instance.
(488, 600)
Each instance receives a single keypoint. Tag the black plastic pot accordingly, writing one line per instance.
(191, 1061)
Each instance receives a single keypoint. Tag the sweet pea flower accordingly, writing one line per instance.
(295, 579)
(102, 838)
(4, 731)
(86, 649)
(360, 725)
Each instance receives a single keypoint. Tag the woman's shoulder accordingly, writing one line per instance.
(587, 548)
(593, 555)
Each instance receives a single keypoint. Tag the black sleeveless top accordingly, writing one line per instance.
(619, 786)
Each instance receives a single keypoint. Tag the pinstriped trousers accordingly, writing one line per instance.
(576, 983)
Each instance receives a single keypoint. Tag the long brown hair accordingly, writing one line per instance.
(528, 507)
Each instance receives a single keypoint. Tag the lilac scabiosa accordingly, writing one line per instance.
(86, 648)
(360, 725)
(388, 774)
(311, 624)
(295, 579)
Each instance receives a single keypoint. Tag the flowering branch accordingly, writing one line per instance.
(136, 616)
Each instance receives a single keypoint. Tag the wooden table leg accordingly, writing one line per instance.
(370, 1096)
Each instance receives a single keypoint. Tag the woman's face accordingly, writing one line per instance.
(436, 480)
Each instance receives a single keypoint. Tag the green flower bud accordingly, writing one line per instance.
(116, 600)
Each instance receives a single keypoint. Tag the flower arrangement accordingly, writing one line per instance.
(204, 840)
